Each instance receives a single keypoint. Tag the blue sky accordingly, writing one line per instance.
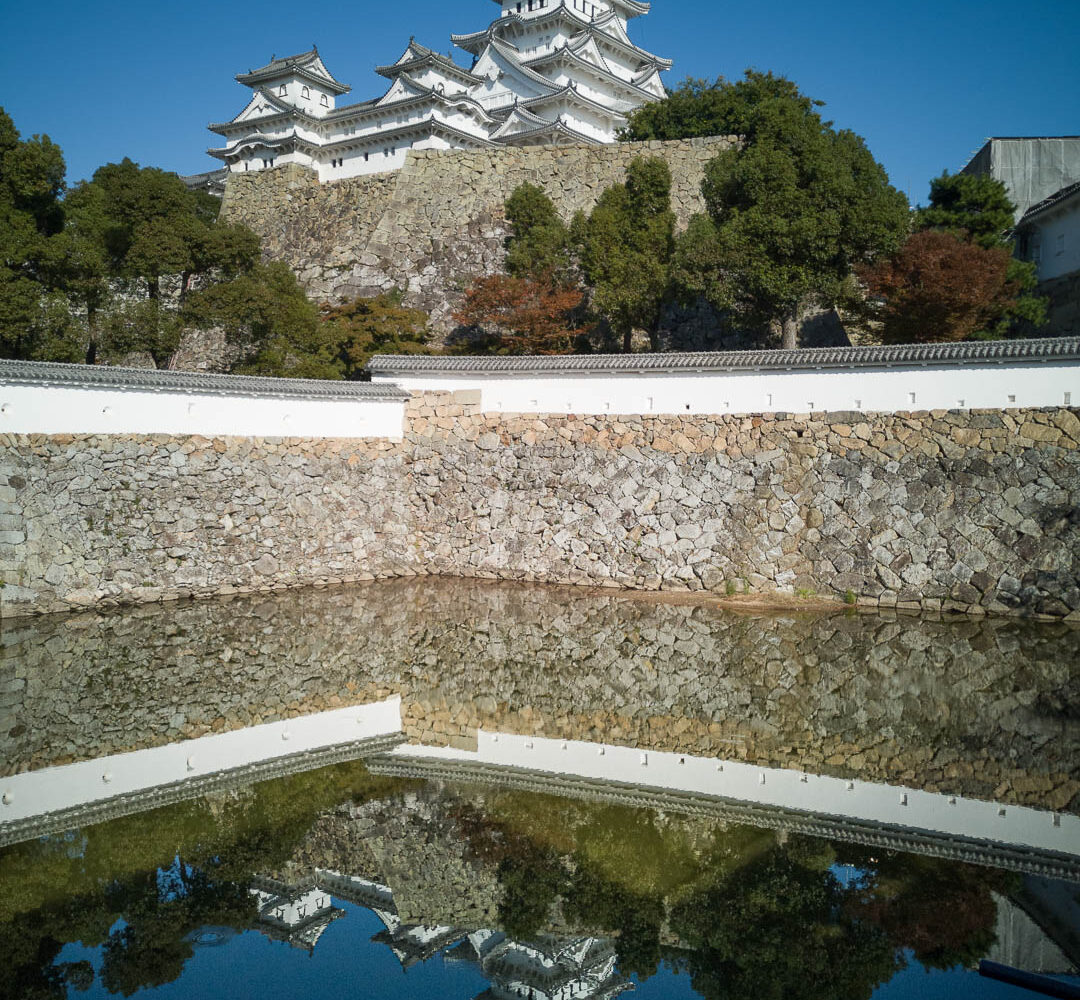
(924, 82)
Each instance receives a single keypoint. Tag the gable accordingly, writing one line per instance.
(652, 84)
(588, 50)
(401, 90)
(611, 25)
(261, 105)
(318, 67)
(503, 73)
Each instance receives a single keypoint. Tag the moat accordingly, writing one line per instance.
(888, 800)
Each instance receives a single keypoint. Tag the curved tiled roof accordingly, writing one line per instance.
(1067, 192)
(964, 353)
(300, 65)
(155, 380)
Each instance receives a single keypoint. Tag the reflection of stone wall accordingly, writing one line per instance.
(956, 510)
(431, 226)
(979, 707)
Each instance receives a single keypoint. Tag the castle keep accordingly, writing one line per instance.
(544, 72)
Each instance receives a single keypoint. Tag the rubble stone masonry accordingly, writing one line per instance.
(975, 511)
(438, 222)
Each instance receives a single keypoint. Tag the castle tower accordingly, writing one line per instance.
(543, 72)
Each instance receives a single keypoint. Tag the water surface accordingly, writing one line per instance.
(461, 881)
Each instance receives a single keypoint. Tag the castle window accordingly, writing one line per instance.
(324, 101)
(282, 91)
(305, 92)
(365, 157)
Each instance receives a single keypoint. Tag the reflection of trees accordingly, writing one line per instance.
(944, 913)
(773, 929)
(160, 909)
(115, 884)
(748, 913)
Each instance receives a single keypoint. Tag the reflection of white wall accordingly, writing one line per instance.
(35, 409)
(815, 793)
(1021, 943)
(34, 793)
(870, 389)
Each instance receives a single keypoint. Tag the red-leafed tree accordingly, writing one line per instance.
(526, 315)
(939, 287)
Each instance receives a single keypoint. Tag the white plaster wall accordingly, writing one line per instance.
(1059, 239)
(872, 389)
(27, 409)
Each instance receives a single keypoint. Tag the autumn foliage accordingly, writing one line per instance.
(528, 315)
(939, 287)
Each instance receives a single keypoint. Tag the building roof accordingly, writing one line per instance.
(633, 8)
(967, 352)
(568, 54)
(420, 56)
(1068, 193)
(307, 64)
(139, 379)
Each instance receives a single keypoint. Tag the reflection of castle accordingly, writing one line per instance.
(546, 968)
(297, 914)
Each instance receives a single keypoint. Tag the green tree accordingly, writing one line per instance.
(31, 257)
(141, 223)
(627, 247)
(976, 205)
(976, 208)
(266, 312)
(376, 325)
(699, 108)
(539, 242)
(792, 210)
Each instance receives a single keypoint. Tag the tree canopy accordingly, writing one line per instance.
(975, 205)
(955, 278)
(791, 209)
(378, 325)
(126, 261)
(698, 108)
(626, 248)
(539, 242)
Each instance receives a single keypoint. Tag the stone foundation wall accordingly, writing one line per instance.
(438, 222)
(100, 519)
(967, 510)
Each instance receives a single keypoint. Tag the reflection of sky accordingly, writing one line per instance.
(918, 983)
(347, 963)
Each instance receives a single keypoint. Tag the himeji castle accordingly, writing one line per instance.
(544, 72)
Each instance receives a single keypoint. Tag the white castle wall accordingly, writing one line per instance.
(34, 409)
(880, 390)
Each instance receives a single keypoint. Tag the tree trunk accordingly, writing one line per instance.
(791, 330)
(628, 341)
(91, 329)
